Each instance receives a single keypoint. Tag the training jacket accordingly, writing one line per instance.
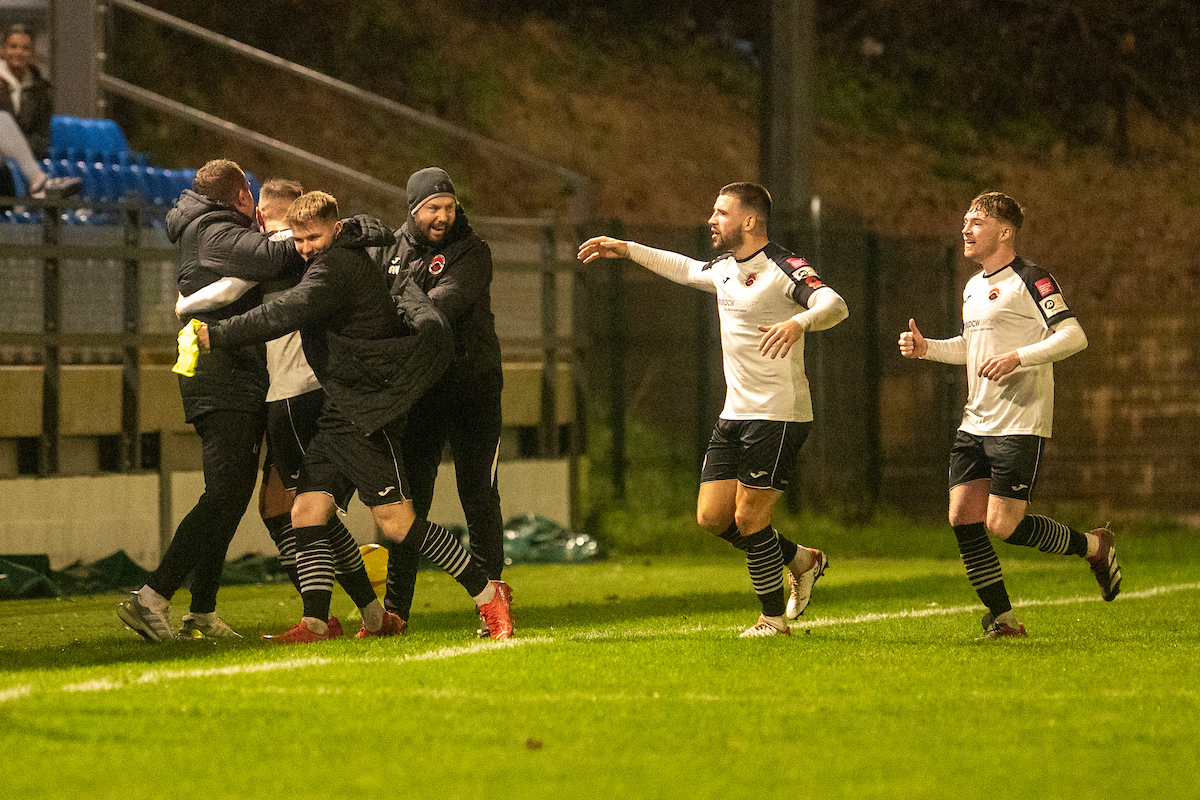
(374, 355)
(217, 241)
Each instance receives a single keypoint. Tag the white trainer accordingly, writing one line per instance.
(217, 629)
(764, 627)
(802, 584)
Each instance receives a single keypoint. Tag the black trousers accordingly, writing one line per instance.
(471, 425)
(231, 442)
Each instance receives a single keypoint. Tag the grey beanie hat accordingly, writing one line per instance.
(426, 184)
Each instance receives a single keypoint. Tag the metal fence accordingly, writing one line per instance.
(81, 294)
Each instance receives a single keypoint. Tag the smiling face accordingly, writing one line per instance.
(726, 224)
(17, 53)
(314, 237)
(434, 218)
(985, 236)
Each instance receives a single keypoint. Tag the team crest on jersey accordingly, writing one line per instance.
(751, 278)
(994, 293)
(437, 264)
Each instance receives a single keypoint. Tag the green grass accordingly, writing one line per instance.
(627, 679)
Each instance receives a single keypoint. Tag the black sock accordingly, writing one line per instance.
(787, 549)
(764, 560)
(314, 563)
(983, 568)
(1048, 536)
(280, 529)
(440, 547)
(733, 536)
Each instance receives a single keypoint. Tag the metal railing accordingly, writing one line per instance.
(580, 185)
(529, 264)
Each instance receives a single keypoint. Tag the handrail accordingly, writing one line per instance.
(580, 184)
(206, 120)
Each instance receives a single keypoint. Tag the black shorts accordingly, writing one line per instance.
(759, 453)
(340, 460)
(1010, 462)
(291, 425)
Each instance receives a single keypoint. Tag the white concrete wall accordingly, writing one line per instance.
(88, 518)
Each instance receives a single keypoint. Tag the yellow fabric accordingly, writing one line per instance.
(375, 559)
(189, 349)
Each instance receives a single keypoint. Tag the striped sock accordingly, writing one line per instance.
(314, 564)
(280, 529)
(764, 560)
(348, 565)
(1048, 536)
(440, 547)
(983, 568)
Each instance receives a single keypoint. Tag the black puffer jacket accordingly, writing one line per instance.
(373, 362)
(217, 241)
(456, 273)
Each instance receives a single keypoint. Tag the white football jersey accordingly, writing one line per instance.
(1011, 308)
(768, 287)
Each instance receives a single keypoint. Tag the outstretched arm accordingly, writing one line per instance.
(602, 247)
(945, 351)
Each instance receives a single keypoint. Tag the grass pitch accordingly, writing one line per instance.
(627, 679)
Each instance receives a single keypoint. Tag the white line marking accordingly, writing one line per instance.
(935, 611)
(15, 693)
(157, 676)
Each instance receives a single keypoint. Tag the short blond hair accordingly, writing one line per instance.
(311, 208)
(276, 196)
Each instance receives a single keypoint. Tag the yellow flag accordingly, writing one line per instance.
(189, 349)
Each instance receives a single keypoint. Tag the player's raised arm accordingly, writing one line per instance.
(602, 247)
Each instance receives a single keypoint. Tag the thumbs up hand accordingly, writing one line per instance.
(912, 343)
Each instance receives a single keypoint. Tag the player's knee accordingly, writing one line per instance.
(712, 522)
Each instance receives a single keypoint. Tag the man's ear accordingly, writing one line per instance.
(337, 228)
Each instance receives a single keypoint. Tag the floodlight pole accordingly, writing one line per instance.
(785, 168)
(786, 127)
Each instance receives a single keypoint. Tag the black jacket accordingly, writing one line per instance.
(217, 241)
(456, 273)
(37, 106)
(373, 362)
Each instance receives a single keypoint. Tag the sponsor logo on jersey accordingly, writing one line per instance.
(385, 491)
(394, 266)
(813, 282)
(758, 474)
(751, 278)
(994, 293)
(437, 264)
(800, 264)
(1054, 304)
(1045, 287)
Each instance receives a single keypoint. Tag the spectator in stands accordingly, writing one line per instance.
(25, 111)
(28, 98)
